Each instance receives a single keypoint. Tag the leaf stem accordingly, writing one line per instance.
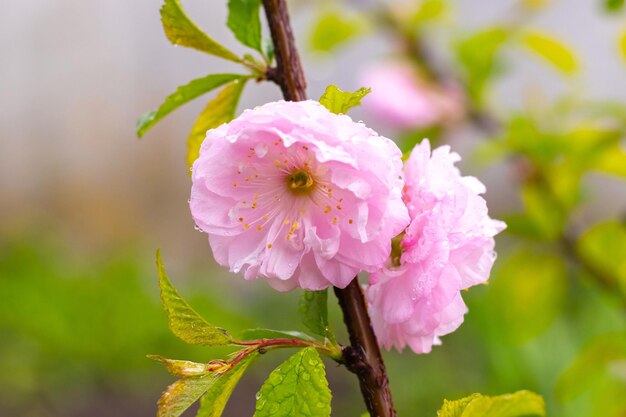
(332, 350)
(363, 356)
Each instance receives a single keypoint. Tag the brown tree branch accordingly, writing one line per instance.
(363, 356)
(288, 73)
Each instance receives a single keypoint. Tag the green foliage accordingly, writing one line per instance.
(551, 50)
(613, 6)
(180, 30)
(314, 312)
(339, 102)
(183, 320)
(528, 292)
(544, 212)
(181, 394)
(430, 10)
(591, 365)
(611, 161)
(603, 247)
(298, 387)
(519, 404)
(244, 22)
(333, 28)
(218, 111)
(478, 57)
(183, 95)
(213, 402)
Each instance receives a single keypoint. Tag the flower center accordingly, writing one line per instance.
(397, 249)
(300, 182)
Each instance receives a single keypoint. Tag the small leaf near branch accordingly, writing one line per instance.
(244, 22)
(213, 402)
(184, 368)
(218, 111)
(521, 403)
(181, 394)
(340, 102)
(298, 387)
(180, 30)
(314, 312)
(552, 51)
(182, 95)
(183, 320)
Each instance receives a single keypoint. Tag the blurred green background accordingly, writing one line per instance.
(84, 205)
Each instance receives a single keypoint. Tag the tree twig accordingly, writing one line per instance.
(363, 356)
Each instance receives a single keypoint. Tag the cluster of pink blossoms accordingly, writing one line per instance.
(305, 198)
(447, 247)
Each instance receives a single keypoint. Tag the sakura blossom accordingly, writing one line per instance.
(448, 246)
(300, 196)
(405, 100)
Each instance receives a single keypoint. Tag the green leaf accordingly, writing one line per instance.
(429, 10)
(181, 394)
(544, 210)
(268, 50)
(213, 402)
(333, 28)
(613, 6)
(218, 111)
(604, 248)
(339, 102)
(244, 22)
(298, 387)
(521, 403)
(478, 56)
(528, 292)
(314, 312)
(181, 367)
(455, 408)
(257, 334)
(183, 95)
(590, 365)
(611, 161)
(184, 322)
(180, 30)
(551, 50)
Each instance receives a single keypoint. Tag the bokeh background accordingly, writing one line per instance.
(84, 205)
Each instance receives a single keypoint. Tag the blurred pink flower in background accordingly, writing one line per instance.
(402, 99)
(296, 194)
(447, 247)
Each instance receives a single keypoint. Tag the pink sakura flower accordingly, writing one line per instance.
(296, 194)
(403, 99)
(447, 247)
